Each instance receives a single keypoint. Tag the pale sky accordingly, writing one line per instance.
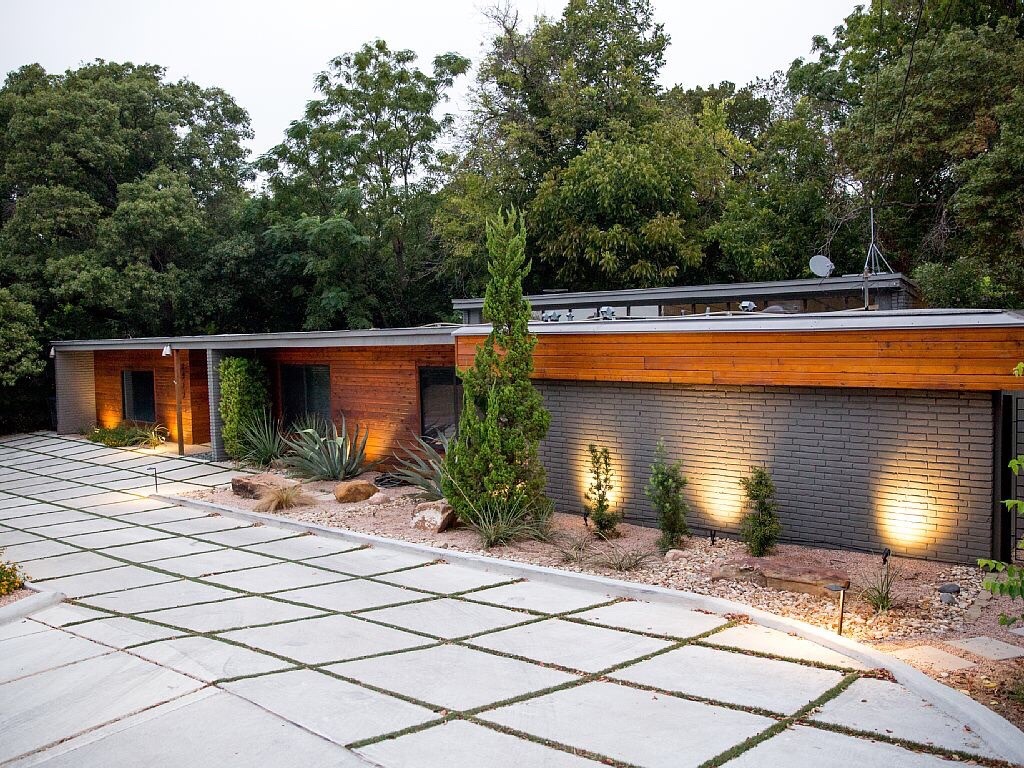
(266, 54)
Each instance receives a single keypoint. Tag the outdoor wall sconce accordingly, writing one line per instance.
(166, 351)
(842, 603)
(53, 353)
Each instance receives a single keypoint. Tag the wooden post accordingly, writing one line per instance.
(177, 402)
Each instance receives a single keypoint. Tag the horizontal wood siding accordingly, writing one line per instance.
(109, 365)
(376, 387)
(976, 359)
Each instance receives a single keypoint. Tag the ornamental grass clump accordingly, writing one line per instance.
(285, 497)
(598, 505)
(260, 437)
(761, 528)
(129, 434)
(879, 591)
(665, 491)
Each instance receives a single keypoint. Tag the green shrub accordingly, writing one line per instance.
(625, 559)
(11, 577)
(243, 396)
(665, 491)
(423, 467)
(497, 451)
(761, 529)
(598, 506)
(334, 456)
(129, 434)
(261, 439)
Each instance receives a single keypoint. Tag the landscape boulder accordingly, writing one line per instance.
(675, 554)
(789, 577)
(255, 486)
(351, 491)
(436, 516)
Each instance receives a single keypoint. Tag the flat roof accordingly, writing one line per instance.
(843, 320)
(781, 289)
(371, 337)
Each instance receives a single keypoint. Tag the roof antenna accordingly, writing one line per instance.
(875, 259)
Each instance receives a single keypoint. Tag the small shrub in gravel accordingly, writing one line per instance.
(575, 548)
(665, 491)
(761, 528)
(624, 559)
(285, 497)
(599, 507)
(11, 577)
(506, 520)
(879, 592)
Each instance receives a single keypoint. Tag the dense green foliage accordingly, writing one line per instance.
(129, 205)
(503, 420)
(129, 434)
(760, 529)
(243, 399)
(665, 492)
(597, 499)
(335, 455)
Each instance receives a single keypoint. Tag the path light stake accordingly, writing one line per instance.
(156, 481)
(842, 603)
(714, 535)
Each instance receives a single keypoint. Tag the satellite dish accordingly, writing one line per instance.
(822, 266)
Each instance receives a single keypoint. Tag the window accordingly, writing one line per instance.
(440, 397)
(305, 389)
(138, 396)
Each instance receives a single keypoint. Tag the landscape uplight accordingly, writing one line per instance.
(842, 603)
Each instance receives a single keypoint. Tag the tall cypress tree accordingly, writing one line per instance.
(496, 454)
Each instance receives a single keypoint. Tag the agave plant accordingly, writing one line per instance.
(313, 421)
(261, 439)
(422, 467)
(333, 456)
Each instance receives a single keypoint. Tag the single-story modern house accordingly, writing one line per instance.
(883, 428)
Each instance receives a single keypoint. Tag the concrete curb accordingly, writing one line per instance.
(999, 733)
(43, 598)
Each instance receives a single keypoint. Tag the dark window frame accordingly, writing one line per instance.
(129, 414)
(282, 378)
(454, 382)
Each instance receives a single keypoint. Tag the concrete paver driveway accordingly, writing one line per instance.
(205, 641)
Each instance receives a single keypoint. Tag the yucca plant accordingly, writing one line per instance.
(334, 456)
(261, 439)
(422, 467)
(313, 421)
(285, 497)
(499, 520)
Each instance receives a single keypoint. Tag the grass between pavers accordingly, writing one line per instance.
(535, 616)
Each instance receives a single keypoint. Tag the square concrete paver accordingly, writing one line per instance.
(67, 565)
(230, 614)
(352, 595)
(254, 534)
(332, 638)
(453, 676)
(459, 744)
(339, 711)
(636, 727)
(109, 539)
(575, 646)
(540, 597)
(275, 578)
(654, 618)
(813, 747)
(369, 561)
(55, 705)
(447, 618)
(19, 628)
(109, 580)
(935, 658)
(733, 678)
(444, 578)
(989, 648)
(121, 632)
(153, 598)
(754, 637)
(217, 561)
(30, 654)
(871, 705)
(63, 614)
(198, 526)
(302, 547)
(24, 553)
(208, 729)
(9, 537)
(150, 551)
(209, 659)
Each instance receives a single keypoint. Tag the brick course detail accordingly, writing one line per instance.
(910, 470)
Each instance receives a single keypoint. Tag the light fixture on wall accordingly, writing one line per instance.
(166, 351)
(53, 353)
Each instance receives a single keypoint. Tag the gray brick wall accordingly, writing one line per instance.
(76, 391)
(854, 467)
